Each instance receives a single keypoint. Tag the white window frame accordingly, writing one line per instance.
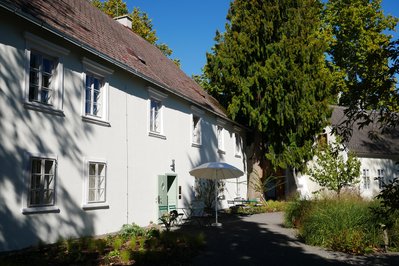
(96, 204)
(196, 137)
(159, 97)
(220, 138)
(27, 207)
(196, 130)
(237, 145)
(46, 49)
(366, 179)
(94, 69)
(381, 178)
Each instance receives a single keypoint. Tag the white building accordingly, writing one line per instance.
(97, 127)
(379, 157)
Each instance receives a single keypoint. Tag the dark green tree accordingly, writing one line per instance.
(269, 70)
(361, 49)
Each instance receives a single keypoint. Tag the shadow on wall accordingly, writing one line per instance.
(24, 131)
(209, 153)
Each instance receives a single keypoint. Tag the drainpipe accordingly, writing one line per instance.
(127, 161)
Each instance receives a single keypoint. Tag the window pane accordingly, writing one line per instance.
(35, 181)
(46, 79)
(45, 96)
(34, 78)
(34, 198)
(92, 195)
(92, 169)
(48, 181)
(48, 66)
(92, 181)
(36, 166)
(101, 169)
(49, 167)
(48, 197)
(100, 194)
(34, 61)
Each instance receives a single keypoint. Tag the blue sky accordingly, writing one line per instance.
(188, 26)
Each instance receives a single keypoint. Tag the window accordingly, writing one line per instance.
(155, 116)
(44, 75)
(381, 178)
(238, 145)
(196, 130)
(41, 74)
(42, 182)
(95, 184)
(156, 110)
(220, 138)
(366, 179)
(95, 96)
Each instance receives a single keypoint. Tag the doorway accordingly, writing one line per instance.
(167, 194)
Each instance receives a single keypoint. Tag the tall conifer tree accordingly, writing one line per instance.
(269, 70)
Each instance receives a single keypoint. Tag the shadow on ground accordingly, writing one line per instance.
(262, 240)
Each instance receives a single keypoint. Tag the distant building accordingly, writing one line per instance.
(379, 157)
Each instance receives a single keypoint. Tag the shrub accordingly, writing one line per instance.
(253, 208)
(295, 211)
(341, 225)
(344, 224)
(129, 230)
(118, 242)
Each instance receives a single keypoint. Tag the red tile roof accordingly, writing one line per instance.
(84, 24)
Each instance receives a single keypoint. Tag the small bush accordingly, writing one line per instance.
(253, 208)
(344, 224)
(133, 243)
(118, 242)
(125, 256)
(129, 230)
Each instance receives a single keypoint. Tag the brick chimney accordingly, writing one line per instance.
(125, 20)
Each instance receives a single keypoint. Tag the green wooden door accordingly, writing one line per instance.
(162, 195)
(172, 193)
(167, 194)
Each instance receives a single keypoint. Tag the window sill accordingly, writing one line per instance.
(95, 206)
(43, 108)
(196, 145)
(44, 209)
(95, 120)
(156, 135)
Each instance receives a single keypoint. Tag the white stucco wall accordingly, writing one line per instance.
(134, 159)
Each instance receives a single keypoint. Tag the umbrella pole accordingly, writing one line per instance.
(216, 200)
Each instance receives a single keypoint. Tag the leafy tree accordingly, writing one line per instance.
(141, 23)
(112, 8)
(269, 70)
(361, 49)
(331, 170)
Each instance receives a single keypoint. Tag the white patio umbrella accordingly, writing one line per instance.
(216, 171)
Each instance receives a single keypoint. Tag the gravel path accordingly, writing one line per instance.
(262, 240)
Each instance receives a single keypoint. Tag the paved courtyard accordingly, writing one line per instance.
(261, 239)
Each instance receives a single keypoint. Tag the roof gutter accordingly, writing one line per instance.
(109, 59)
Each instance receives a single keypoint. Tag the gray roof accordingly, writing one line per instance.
(362, 143)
